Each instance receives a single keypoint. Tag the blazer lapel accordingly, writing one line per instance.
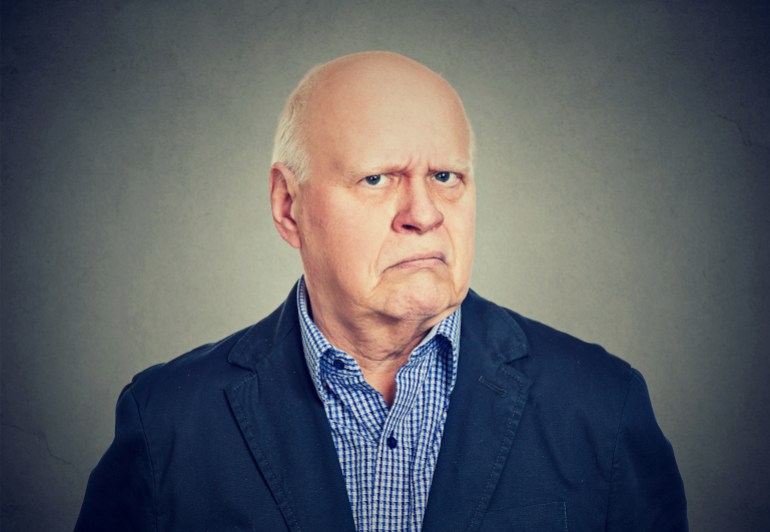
(285, 426)
(484, 413)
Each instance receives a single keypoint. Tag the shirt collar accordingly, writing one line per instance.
(317, 347)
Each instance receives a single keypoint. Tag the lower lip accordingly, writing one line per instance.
(418, 263)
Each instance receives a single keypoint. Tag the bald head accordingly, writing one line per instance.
(359, 91)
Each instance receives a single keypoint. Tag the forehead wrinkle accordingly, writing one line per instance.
(361, 169)
(405, 165)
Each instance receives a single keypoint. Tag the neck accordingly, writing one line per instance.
(379, 346)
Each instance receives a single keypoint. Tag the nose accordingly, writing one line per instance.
(417, 210)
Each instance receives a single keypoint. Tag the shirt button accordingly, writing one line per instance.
(339, 363)
(392, 442)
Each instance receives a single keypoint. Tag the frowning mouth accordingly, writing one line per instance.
(425, 260)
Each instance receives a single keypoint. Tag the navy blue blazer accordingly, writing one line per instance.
(544, 432)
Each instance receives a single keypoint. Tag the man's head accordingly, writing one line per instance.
(372, 182)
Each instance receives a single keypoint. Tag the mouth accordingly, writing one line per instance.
(424, 260)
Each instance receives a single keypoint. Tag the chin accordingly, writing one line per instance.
(421, 303)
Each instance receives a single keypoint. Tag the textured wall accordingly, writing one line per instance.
(624, 191)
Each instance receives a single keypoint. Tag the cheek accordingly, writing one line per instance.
(346, 236)
(463, 235)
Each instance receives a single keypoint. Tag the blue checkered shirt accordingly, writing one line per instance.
(387, 456)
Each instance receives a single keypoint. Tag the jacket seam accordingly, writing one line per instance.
(502, 455)
(615, 447)
(263, 462)
(149, 460)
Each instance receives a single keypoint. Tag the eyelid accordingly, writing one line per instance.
(384, 179)
(455, 172)
(458, 176)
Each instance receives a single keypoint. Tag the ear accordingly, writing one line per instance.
(283, 192)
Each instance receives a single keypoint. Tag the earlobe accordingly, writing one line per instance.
(283, 193)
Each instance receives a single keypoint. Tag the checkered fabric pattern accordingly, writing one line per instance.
(387, 455)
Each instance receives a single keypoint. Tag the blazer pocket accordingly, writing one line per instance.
(548, 517)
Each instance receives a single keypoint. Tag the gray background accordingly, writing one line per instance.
(624, 182)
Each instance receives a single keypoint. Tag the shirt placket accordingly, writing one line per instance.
(394, 500)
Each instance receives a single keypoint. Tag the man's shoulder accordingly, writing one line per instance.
(205, 361)
(212, 366)
(553, 345)
(557, 358)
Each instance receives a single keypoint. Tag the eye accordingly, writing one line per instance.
(374, 180)
(447, 178)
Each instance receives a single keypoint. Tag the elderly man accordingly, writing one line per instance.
(383, 395)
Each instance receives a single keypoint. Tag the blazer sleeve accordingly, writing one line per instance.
(121, 492)
(646, 490)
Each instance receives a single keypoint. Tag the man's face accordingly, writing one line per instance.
(386, 218)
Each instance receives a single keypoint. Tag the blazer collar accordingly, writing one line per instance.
(285, 426)
(483, 417)
(259, 340)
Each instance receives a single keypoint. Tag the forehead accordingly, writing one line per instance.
(389, 116)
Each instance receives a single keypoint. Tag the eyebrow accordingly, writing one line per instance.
(462, 166)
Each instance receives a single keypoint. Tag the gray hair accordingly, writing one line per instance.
(289, 146)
